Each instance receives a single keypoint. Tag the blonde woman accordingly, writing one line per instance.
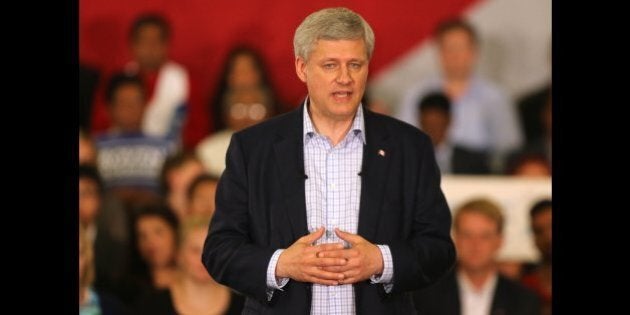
(193, 291)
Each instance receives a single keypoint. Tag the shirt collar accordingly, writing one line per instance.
(487, 289)
(358, 123)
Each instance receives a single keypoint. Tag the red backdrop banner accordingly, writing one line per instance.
(204, 31)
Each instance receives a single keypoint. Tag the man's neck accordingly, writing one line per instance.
(151, 69)
(118, 129)
(163, 276)
(479, 278)
(439, 143)
(456, 86)
(335, 128)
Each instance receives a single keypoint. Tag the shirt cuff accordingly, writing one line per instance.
(273, 282)
(388, 269)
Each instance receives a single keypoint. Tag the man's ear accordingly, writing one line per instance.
(500, 242)
(300, 68)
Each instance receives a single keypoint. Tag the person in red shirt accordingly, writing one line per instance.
(539, 278)
(166, 81)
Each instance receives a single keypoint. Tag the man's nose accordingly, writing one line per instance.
(343, 76)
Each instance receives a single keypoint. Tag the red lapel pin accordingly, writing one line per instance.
(381, 152)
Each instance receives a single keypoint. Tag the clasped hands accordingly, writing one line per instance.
(332, 263)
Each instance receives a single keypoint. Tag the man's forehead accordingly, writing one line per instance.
(340, 49)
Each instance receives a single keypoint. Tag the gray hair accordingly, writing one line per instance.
(331, 24)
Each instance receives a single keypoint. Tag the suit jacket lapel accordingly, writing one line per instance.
(453, 301)
(499, 300)
(289, 154)
(377, 155)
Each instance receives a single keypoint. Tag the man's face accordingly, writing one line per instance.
(435, 123)
(244, 73)
(128, 107)
(477, 240)
(541, 226)
(180, 177)
(202, 201)
(149, 48)
(457, 53)
(335, 76)
(87, 151)
(533, 168)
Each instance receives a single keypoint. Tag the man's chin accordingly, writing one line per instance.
(345, 114)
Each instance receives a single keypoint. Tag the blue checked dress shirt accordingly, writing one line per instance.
(333, 194)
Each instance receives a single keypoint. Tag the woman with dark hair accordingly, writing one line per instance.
(193, 291)
(154, 259)
(244, 69)
(178, 171)
(244, 97)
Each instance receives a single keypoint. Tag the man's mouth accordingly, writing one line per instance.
(342, 94)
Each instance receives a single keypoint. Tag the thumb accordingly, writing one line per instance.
(348, 237)
(313, 236)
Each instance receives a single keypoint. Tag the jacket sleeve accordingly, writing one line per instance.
(229, 254)
(428, 253)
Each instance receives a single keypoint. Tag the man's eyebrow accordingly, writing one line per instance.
(337, 59)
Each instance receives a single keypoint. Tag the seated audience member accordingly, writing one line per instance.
(379, 106)
(129, 160)
(529, 165)
(166, 82)
(244, 108)
(538, 278)
(201, 194)
(244, 97)
(539, 148)
(178, 171)
(155, 235)
(375, 104)
(530, 108)
(474, 287)
(193, 291)
(87, 149)
(484, 118)
(511, 268)
(435, 120)
(90, 187)
(105, 222)
(92, 301)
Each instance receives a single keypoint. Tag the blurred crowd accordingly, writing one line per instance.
(145, 203)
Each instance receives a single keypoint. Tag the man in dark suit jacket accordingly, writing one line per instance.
(259, 242)
(435, 119)
(443, 298)
(475, 286)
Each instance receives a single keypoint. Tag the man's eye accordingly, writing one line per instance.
(329, 66)
(355, 65)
